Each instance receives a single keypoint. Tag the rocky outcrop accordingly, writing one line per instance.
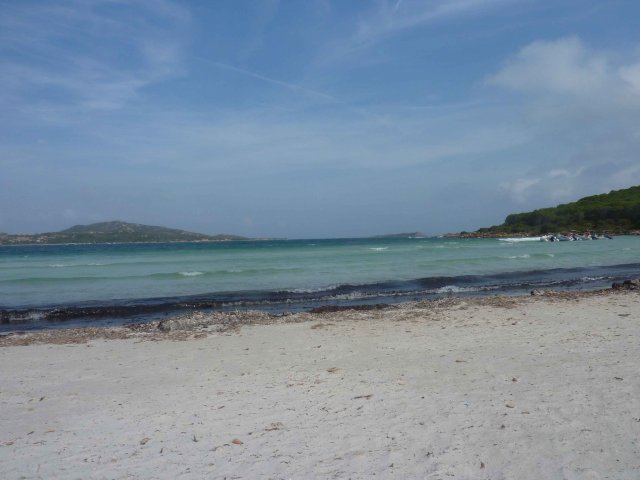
(633, 284)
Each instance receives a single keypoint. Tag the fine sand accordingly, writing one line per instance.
(544, 387)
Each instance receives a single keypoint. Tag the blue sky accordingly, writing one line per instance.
(313, 118)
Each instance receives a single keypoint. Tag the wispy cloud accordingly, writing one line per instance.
(390, 18)
(93, 55)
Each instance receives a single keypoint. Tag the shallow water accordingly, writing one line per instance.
(102, 281)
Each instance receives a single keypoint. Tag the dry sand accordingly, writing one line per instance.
(531, 388)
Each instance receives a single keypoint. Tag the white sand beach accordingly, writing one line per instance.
(496, 388)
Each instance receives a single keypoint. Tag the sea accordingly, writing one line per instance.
(59, 286)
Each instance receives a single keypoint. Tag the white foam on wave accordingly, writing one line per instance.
(190, 274)
(455, 289)
(312, 290)
(451, 245)
(61, 265)
(34, 316)
(520, 239)
(378, 249)
(524, 255)
(593, 279)
(353, 296)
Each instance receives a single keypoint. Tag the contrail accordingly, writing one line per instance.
(297, 88)
(273, 81)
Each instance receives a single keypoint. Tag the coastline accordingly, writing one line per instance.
(526, 387)
(498, 235)
(43, 244)
(201, 323)
(288, 301)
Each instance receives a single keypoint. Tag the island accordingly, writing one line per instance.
(616, 212)
(402, 235)
(114, 232)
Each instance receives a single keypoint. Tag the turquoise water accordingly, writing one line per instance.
(342, 269)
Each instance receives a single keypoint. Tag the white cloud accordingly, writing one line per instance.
(520, 188)
(584, 105)
(564, 173)
(568, 70)
(561, 66)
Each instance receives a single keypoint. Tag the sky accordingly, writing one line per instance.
(315, 118)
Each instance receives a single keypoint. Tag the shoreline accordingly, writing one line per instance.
(542, 386)
(502, 235)
(199, 324)
(392, 292)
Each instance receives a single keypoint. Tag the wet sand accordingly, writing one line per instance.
(486, 388)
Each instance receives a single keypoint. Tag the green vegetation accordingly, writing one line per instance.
(115, 232)
(615, 212)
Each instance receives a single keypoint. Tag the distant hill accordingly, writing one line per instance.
(402, 235)
(615, 212)
(115, 232)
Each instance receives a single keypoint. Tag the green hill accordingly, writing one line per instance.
(115, 232)
(615, 212)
